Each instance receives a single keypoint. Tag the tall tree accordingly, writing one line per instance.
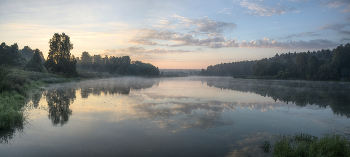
(59, 58)
(86, 60)
(35, 62)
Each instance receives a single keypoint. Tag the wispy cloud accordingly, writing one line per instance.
(344, 39)
(225, 11)
(138, 50)
(302, 34)
(267, 43)
(337, 4)
(211, 27)
(260, 10)
(149, 35)
(337, 27)
(203, 25)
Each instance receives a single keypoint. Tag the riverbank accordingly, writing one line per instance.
(16, 82)
(330, 144)
(14, 85)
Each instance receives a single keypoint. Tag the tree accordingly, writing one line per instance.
(301, 61)
(35, 63)
(59, 58)
(10, 55)
(27, 52)
(312, 68)
(97, 62)
(86, 60)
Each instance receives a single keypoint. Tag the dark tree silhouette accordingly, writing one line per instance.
(35, 63)
(86, 61)
(10, 55)
(59, 59)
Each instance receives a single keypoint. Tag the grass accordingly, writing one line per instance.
(305, 145)
(14, 84)
(11, 114)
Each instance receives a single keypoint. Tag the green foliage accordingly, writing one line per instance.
(321, 65)
(9, 55)
(114, 65)
(242, 68)
(35, 63)
(4, 72)
(59, 59)
(28, 53)
(304, 145)
(145, 69)
(86, 61)
(10, 109)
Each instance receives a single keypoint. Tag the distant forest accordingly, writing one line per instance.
(121, 65)
(61, 61)
(321, 65)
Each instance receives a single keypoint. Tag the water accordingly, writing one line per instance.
(190, 116)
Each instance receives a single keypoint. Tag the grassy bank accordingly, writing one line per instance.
(304, 145)
(14, 84)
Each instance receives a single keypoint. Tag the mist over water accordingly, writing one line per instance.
(185, 116)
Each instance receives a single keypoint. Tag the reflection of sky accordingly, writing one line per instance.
(167, 118)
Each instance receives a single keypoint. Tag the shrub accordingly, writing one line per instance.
(304, 145)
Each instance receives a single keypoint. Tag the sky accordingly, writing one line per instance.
(179, 34)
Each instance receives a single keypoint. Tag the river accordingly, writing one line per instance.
(183, 116)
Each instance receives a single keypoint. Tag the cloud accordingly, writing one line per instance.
(337, 4)
(221, 42)
(302, 34)
(345, 40)
(225, 11)
(267, 43)
(147, 35)
(213, 28)
(261, 10)
(135, 49)
(299, 0)
(337, 27)
(196, 26)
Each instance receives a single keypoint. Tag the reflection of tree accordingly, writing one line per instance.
(333, 94)
(7, 135)
(36, 99)
(121, 85)
(58, 101)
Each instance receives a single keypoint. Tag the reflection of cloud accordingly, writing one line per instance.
(196, 115)
(155, 96)
(249, 145)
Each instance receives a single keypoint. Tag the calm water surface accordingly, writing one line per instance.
(191, 116)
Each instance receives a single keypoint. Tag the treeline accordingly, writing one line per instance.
(321, 65)
(241, 68)
(61, 61)
(121, 65)
(25, 58)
